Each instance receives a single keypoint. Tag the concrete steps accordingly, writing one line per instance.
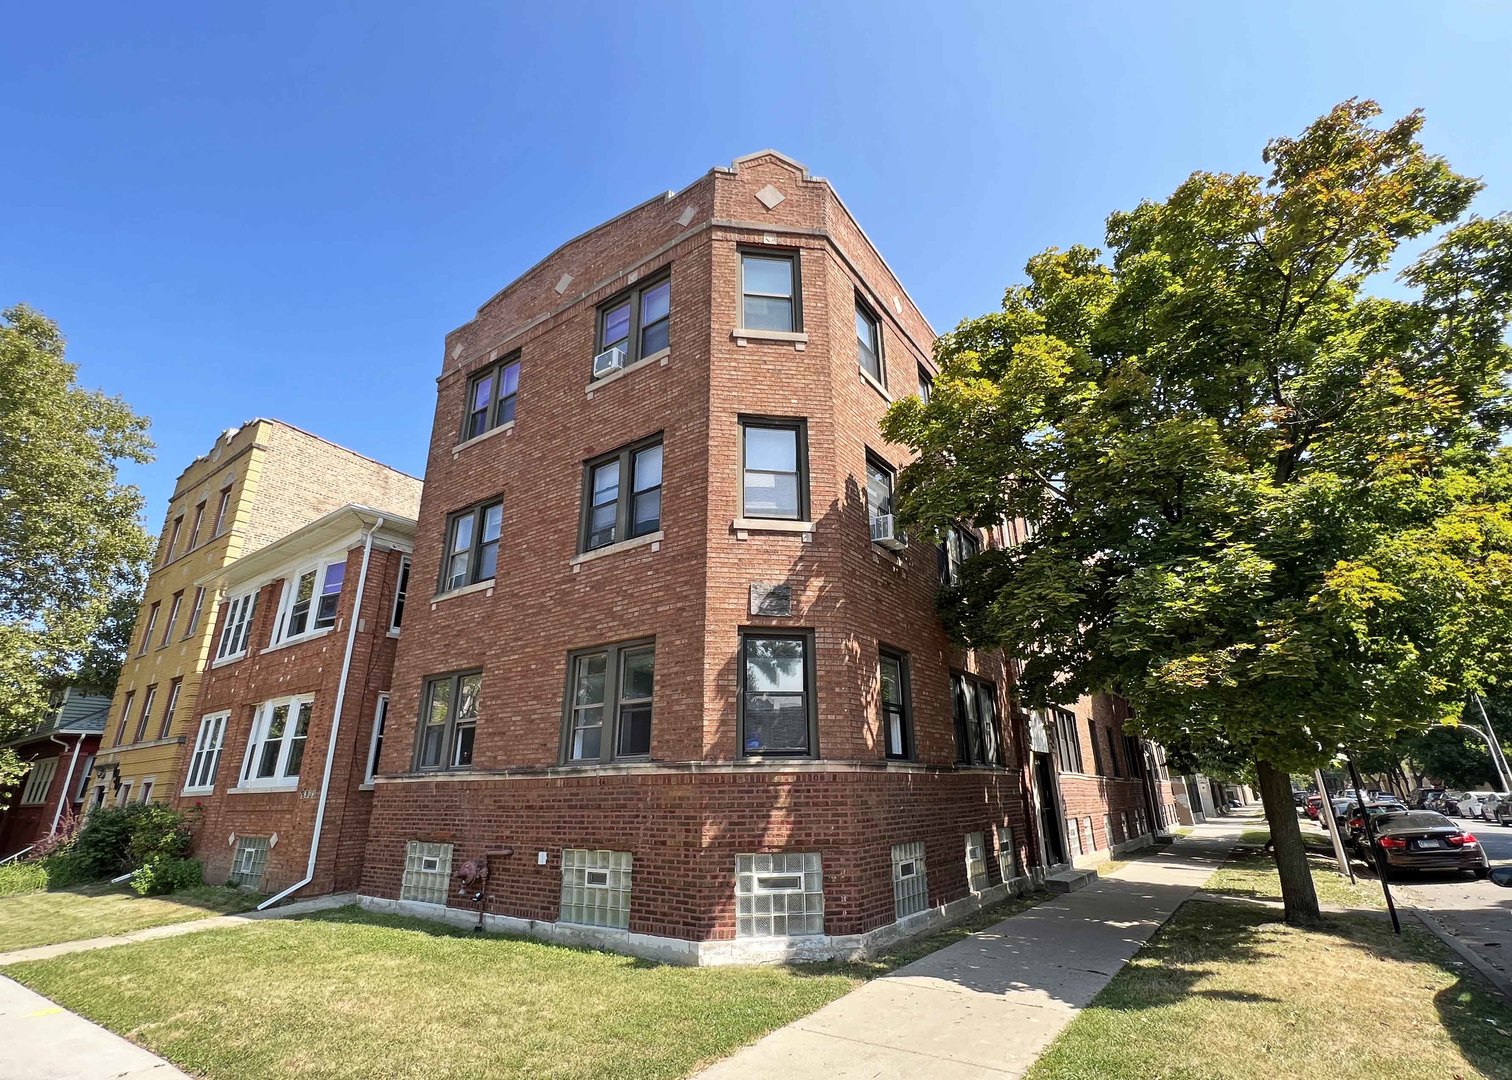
(1069, 881)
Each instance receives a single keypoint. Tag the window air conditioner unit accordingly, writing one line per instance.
(608, 362)
(884, 532)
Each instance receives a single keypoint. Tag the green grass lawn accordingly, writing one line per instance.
(1231, 993)
(46, 918)
(1253, 875)
(348, 993)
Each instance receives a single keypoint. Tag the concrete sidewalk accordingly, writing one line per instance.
(44, 1041)
(984, 1008)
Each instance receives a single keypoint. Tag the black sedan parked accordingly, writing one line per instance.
(1424, 840)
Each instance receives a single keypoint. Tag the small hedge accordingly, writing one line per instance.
(165, 874)
(23, 877)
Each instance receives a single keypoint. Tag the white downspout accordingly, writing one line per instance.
(346, 667)
(67, 781)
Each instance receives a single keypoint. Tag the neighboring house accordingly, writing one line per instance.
(304, 648)
(60, 751)
(674, 676)
(259, 482)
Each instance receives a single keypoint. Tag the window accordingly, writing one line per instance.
(614, 509)
(375, 748)
(472, 545)
(194, 612)
(879, 499)
(897, 734)
(975, 720)
(173, 612)
(491, 395)
(39, 781)
(173, 535)
(220, 511)
(148, 701)
(427, 872)
(960, 544)
(152, 615)
(780, 895)
(868, 341)
(1113, 754)
(173, 695)
(401, 592)
(637, 322)
(769, 291)
(194, 531)
(1067, 741)
(125, 717)
(146, 792)
(1097, 755)
(237, 628)
(1007, 853)
(976, 861)
(910, 883)
(309, 599)
(596, 888)
(207, 751)
(926, 384)
(776, 694)
(774, 468)
(84, 778)
(1132, 755)
(609, 703)
(449, 722)
(248, 863)
(276, 749)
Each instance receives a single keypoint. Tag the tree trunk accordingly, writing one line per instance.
(1297, 891)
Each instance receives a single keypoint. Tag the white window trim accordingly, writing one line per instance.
(320, 568)
(406, 565)
(238, 625)
(380, 718)
(211, 725)
(260, 720)
(47, 767)
(124, 795)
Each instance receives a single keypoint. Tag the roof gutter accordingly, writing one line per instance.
(330, 758)
(67, 780)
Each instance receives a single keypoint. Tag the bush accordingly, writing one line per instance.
(23, 877)
(115, 839)
(165, 874)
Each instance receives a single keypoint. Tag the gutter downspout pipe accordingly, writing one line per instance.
(330, 758)
(67, 781)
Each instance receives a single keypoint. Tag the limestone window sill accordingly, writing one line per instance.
(477, 586)
(745, 526)
(652, 539)
(502, 429)
(743, 337)
(874, 384)
(660, 358)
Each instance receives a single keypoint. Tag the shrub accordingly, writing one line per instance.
(23, 877)
(115, 839)
(165, 874)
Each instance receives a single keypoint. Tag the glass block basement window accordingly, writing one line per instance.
(976, 861)
(250, 860)
(596, 888)
(779, 895)
(427, 872)
(910, 885)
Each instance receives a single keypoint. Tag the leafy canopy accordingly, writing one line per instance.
(1270, 508)
(72, 552)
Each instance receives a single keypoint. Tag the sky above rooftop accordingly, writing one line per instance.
(280, 209)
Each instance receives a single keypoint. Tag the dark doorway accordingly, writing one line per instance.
(1050, 815)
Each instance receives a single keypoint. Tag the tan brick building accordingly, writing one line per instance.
(257, 483)
(670, 674)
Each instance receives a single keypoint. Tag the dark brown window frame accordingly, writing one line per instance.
(475, 549)
(496, 397)
(905, 708)
(796, 424)
(794, 256)
(611, 730)
(810, 691)
(634, 296)
(450, 727)
(624, 510)
(1068, 753)
(869, 313)
(966, 749)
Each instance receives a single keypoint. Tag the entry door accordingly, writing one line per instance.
(1050, 815)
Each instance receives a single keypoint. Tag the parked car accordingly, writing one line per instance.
(1384, 799)
(1469, 803)
(1353, 821)
(1413, 840)
(1426, 799)
(1491, 805)
(1299, 799)
(1313, 807)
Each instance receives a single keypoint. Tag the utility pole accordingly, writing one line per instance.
(1498, 758)
(1332, 825)
(1380, 863)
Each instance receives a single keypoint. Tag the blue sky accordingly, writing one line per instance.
(279, 209)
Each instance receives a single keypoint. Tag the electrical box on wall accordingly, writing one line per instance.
(540, 858)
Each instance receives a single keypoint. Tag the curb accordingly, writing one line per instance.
(1499, 982)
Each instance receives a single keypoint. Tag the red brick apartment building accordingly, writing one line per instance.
(670, 673)
(289, 719)
(59, 752)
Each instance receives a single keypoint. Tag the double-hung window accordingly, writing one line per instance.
(401, 592)
(637, 322)
(207, 751)
(309, 600)
(472, 545)
(879, 501)
(237, 629)
(125, 717)
(897, 733)
(769, 291)
(975, 720)
(868, 341)
(926, 384)
(959, 545)
(1098, 765)
(776, 693)
(148, 700)
(276, 749)
(194, 531)
(491, 395)
(173, 696)
(173, 535)
(152, 617)
(622, 495)
(1113, 754)
(774, 469)
(375, 747)
(449, 721)
(220, 511)
(194, 612)
(609, 703)
(173, 613)
(1133, 756)
(1067, 741)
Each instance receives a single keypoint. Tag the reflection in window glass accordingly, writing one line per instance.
(775, 695)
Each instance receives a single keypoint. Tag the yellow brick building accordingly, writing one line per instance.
(259, 482)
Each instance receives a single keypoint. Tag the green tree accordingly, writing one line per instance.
(72, 551)
(1269, 508)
